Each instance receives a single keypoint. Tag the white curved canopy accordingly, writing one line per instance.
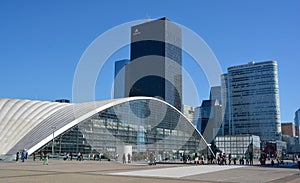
(26, 124)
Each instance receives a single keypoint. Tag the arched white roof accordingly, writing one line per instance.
(30, 124)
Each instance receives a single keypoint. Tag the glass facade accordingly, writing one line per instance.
(156, 50)
(119, 79)
(253, 105)
(145, 125)
(297, 123)
(240, 145)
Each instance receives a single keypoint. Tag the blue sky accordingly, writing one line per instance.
(41, 42)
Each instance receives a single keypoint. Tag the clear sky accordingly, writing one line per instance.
(41, 42)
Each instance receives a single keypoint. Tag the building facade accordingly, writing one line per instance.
(288, 129)
(143, 124)
(119, 78)
(155, 62)
(239, 145)
(188, 111)
(253, 106)
(215, 94)
(210, 120)
(297, 123)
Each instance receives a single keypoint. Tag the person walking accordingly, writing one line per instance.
(46, 159)
(129, 158)
(23, 155)
(34, 156)
(251, 158)
(124, 158)
(17, 156)
(41, 156)
(298, 161)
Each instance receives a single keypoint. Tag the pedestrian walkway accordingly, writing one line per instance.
(177, 172)
(115, 172)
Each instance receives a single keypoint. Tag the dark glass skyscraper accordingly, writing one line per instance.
(155, 62)
(119, 79)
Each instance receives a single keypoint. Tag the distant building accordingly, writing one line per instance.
(119, 79)
(252, 94)
(188, 111)
(226, 126)
(274, 148)
(155, 62)
(209, 121)
(292, 142)
(297, 123)
(239, 145)
(197, 118)
(288, 129)
(215, 93)
(62, 100)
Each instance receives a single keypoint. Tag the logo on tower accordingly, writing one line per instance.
(136, 32)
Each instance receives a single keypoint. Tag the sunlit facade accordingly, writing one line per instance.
(239, 145)
(252, 94)
(144, 124)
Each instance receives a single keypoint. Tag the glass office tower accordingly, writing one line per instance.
(155, 63)
(253, 100)
(119, 79)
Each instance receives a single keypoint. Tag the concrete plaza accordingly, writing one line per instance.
(92, 171)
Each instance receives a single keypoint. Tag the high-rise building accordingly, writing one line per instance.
(297, 123)
(225, 106)
(155, 62)
(215, 93)
(253, 100)
(288, 129)
(209, 119)
(119, 79)
(188, 111)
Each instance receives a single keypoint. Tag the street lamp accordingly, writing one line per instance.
(53, 129)
(208, 146)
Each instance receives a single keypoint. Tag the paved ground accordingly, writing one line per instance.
(90, 171)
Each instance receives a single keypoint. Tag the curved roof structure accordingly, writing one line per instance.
(30, 124)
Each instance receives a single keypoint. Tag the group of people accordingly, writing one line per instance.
(69, 156)
(24, 155)
(128, 158)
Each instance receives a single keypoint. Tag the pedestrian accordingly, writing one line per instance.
(46, 159)
(202, 159)
(224, 159)
(234, 161)
(247, 159)
(17, 156)
(34, 156)
(251, 158)
(218, 158)
(229, 158)
(23, 155)
(41, 156)
(128, 156)
(79, 156)
(124, 158)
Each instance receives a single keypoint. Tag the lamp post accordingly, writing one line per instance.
(53, 129)
(208, 146)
